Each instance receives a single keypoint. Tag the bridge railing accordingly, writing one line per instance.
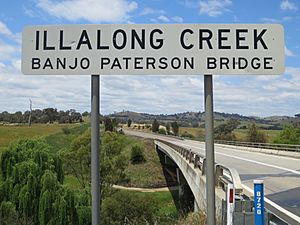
(273, 146)
(224, 174)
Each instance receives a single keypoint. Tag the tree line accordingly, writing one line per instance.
(47, 115)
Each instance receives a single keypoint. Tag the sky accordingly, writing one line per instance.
(250, 95)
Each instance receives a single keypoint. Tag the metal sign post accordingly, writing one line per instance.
(95, 150)
(209, 149)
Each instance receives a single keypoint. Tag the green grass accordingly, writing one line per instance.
(147, 174)
(9, 133)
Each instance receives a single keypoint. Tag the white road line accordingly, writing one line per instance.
(253, 161)
(284, 211)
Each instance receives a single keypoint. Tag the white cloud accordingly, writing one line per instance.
(288, 52)
(89, 10)
(270, 20)
(148, 11)
(287, 5)
(163, 19)
(7, 51)
(177, 19)
(4, 29)
(214, 7)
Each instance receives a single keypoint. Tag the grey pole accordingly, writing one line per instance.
(209, 146)
(95, 151)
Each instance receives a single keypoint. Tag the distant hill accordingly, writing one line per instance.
(197, 119)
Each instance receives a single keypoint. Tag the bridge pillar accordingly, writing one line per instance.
(169, 162)
(186, 197)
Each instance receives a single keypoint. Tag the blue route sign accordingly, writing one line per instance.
(259, 202)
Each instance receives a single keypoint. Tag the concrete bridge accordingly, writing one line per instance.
(238, 166)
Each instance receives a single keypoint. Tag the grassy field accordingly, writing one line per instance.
(9, 133)
(240, 134)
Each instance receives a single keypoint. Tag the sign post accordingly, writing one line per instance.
(209, 149)
(259, 202)
(95, 150)
(154, 49)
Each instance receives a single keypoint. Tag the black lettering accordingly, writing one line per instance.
(60, 63)
(126, 62)
(150, 61)
(255, 65)
(136, 38)
(267, 61)
(116, 63)
(85, 63)
(75, 64)
(211, 63)
(37, 40)
(240, 61)
(258, 38)
(99, 46)
(137, 62)
(124, 40)
(61, 42)
(224, 62)
(35, 63)
(188, 62)
(182, 39)
(240, 38)
(175, 61)
(48, 64)
(46, 47)
(104, 61)
(221, 38)
(159, 42)
(84, 40)
(205, 38)
(163, 63)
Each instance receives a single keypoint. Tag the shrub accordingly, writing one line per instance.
(187, 135)
(162, 131)
(137, 155)
(129, 208)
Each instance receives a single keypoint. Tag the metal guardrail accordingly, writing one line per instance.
(224, 174)
(279, 147)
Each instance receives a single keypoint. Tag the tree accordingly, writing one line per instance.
(289, 135)
(254, 135)
(155, 126)
(224, 131)
(129, 122)
(175, 128)
(108, 124)
(168, 128)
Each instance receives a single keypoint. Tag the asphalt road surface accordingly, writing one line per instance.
(281, 174)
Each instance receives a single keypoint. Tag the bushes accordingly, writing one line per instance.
(162, 131)
(137, 155)
(129, 208)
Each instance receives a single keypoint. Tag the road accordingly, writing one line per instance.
(281, 175)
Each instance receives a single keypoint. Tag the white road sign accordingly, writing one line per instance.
(153, 49)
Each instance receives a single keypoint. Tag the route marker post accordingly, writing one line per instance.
(259, 202)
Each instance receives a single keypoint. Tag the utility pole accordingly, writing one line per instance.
(30, 107)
